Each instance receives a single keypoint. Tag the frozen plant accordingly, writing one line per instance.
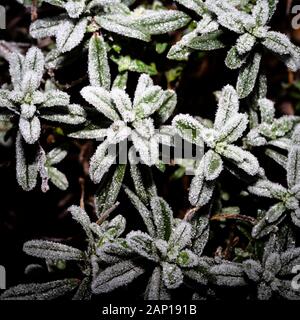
(271, 131)
(28, 103)
(129, 119)
(172, 246)
(287, 198)
(98, 234)
(86, 16)
(270, 277)
(253, 37)
(228, 127)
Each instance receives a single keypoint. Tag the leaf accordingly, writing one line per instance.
(34, 61)
(181, 236)
(143, 245)
(234, 60)
(30, 129)
(81, 217)
(233, 129)
(245, 43)
(228, 274)
(58, 178)
(267, 110)
(163, 216)
(188, 128)
(69, 35)
(196, 5)
(116, 276)
(213, 165)
(26, 164)
(277, 42)
(248, 75)
(101, 100)
(172, 275)
(161, 21)
(142, 179)
(52, 250)
(293, 163)
(74, 7)
(54, 98)
(187, 259)
(107, 198)
(16, 61)
(40, 291)
(123, 104)
(56, 155)
(47, 27)
(228, 106)
(99, 72)
(261, 12)
(122, 24)
(206, 42)
(156, 289)
(143, 211)
(275, 212)
(126, 63)
(253, 270)
(100, 162)
(73, 114)
(200, 234)
(167, 107)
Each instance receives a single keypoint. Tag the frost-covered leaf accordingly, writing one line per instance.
(40, 291)
(196, 5)
(228, 106)
(161, 21)
(163, 217)
(188, 128)
(122, 25)
(107, 198)
(142, 244)
(123, 104)
(101, 100)
(275, 212)
(34, 61)
(74, 7)
(248, 75)
(73, 114)
(69, 35)
(144, 212)
(156, 289)
(167, 107)
(26, 164)
(206, 42)
(293, 164)
(116, 276)
(213, 165)
(228, 275)
(52, 250)
(58, 178)
(277, 42)
(172, 275)
(181, 236)
(99, 72)
(101, 162)
(56, 98)
(47, 27)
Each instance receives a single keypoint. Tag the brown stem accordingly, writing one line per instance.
(106, 213)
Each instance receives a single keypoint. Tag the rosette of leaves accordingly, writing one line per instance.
(132, 120)
(170, 247)
(98, 235)
(254, 37)
(28, 103)
(271, 131)
(287, 198)
(85, 16)
(228, 127)
(270, 278)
